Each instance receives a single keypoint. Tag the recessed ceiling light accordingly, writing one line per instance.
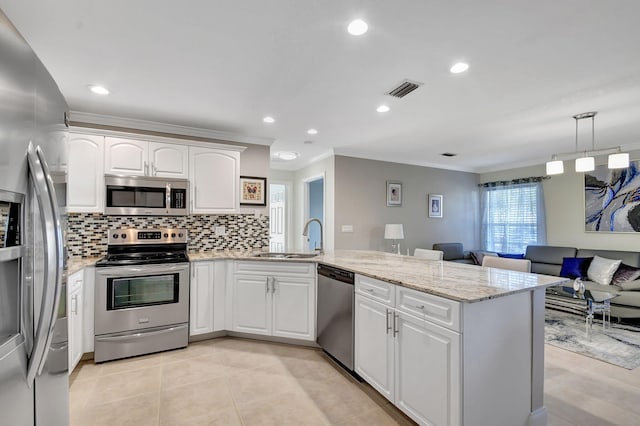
(269, 119)
(383, 108)
(357, 27)
(286, 155)
(312, 131)
(459, 67)
(99, 90)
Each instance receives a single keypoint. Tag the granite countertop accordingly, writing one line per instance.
(455, 281)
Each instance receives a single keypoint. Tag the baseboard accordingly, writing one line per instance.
(538, 417)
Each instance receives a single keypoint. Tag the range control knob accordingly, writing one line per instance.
(115, 236)
(166, 235)
(173, 235)
(123, 236)
(180, 235)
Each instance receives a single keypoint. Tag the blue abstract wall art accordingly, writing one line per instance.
(612, 199)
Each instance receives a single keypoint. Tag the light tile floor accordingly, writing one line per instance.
(226, 381)
(231, 381)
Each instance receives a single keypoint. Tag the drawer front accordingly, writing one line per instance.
(265, 267)
(74, 282)
(436, 309)
(381, 291)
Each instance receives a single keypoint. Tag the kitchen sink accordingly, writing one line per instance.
(286, 255)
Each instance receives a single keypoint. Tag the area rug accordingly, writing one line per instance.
(619, 345)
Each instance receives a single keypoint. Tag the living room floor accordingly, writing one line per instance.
(231, 381)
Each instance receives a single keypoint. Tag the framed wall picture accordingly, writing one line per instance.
(394, 193)
(435, 205)
(253, 191)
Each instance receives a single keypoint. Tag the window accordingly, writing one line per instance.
(512, 216)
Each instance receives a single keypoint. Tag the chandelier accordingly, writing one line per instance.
(584, 160)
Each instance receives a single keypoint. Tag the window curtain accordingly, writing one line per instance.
(513, 215)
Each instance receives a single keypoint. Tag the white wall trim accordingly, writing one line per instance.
(153, 138)
(154, 126)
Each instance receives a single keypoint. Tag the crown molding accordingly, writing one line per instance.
(154, 126)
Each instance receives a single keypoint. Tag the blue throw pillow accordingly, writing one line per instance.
(512, 255)
(575, 267)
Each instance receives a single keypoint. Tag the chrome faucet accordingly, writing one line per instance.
(305, 232)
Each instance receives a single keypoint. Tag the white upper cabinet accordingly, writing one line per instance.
(131, 157)
(214, 175)
(168, 160)
(85, 175)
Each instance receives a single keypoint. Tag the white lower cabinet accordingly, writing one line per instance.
(276, 299)
(413, 362)
(206, 303)
(75, 318)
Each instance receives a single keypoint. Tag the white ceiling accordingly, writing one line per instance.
(225, 64)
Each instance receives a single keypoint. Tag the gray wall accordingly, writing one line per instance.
(360, 200)
(564, 207)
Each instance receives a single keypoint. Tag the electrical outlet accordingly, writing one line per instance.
(347, 228)
(220, 231)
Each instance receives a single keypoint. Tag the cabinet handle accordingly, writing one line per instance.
(74, 304)
(267, 286)
(146, 169)
(370, 290)
(420, 307)
(395, 324)
(154, 169)
(388, 323)
(273, 285)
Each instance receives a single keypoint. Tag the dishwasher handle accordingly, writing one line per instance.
(346, 277)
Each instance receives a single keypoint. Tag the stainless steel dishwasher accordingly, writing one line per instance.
(336, 294)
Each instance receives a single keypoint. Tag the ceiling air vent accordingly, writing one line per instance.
(404, 89)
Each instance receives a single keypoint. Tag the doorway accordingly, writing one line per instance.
(278, 217)
(315, 209)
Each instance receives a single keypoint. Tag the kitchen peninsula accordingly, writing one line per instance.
(447, 343)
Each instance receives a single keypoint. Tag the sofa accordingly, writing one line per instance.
(453, 252)
(548, 260)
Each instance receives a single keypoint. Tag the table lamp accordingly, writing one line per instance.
(394, 231)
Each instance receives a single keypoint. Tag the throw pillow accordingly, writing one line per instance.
(631, 285)
(575, 267)
(512, 255)
(625, 273)
(602, 269)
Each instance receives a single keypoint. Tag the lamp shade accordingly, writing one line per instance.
(393, 231)
(555, 167)
(619, 160)
(585, 164)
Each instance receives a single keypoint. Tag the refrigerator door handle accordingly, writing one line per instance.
(53, 262)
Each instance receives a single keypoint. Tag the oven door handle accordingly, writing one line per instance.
(138, 335)
(123, 271)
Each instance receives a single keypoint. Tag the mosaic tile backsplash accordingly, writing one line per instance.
(87, 232)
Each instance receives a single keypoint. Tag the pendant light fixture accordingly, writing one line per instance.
(584, 160)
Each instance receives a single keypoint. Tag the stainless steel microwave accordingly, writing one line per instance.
(146, 196)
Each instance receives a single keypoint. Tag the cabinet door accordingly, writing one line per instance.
(85, 178)
(214, 176)
(74, 314)
(374, 344)
(201, 302)
(251, 312)
(427, 371)
(294, 307)
(88, 309)
(168, 160)
(126, 157)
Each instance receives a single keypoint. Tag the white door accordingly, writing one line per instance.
(427, 370)
(75, 318)
(374, 344)
(85, 177)
(294, 307)
(277, 217)
(126, 157)
(214, 176)
(168, 160)
(201, 298)
(251, 311)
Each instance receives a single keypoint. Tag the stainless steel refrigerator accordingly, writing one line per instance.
(33, 324)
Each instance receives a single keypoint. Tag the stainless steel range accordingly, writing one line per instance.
(142, 293)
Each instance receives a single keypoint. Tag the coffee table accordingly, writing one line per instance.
(588, 303)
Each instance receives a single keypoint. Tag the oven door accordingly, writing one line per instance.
(137, 297)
